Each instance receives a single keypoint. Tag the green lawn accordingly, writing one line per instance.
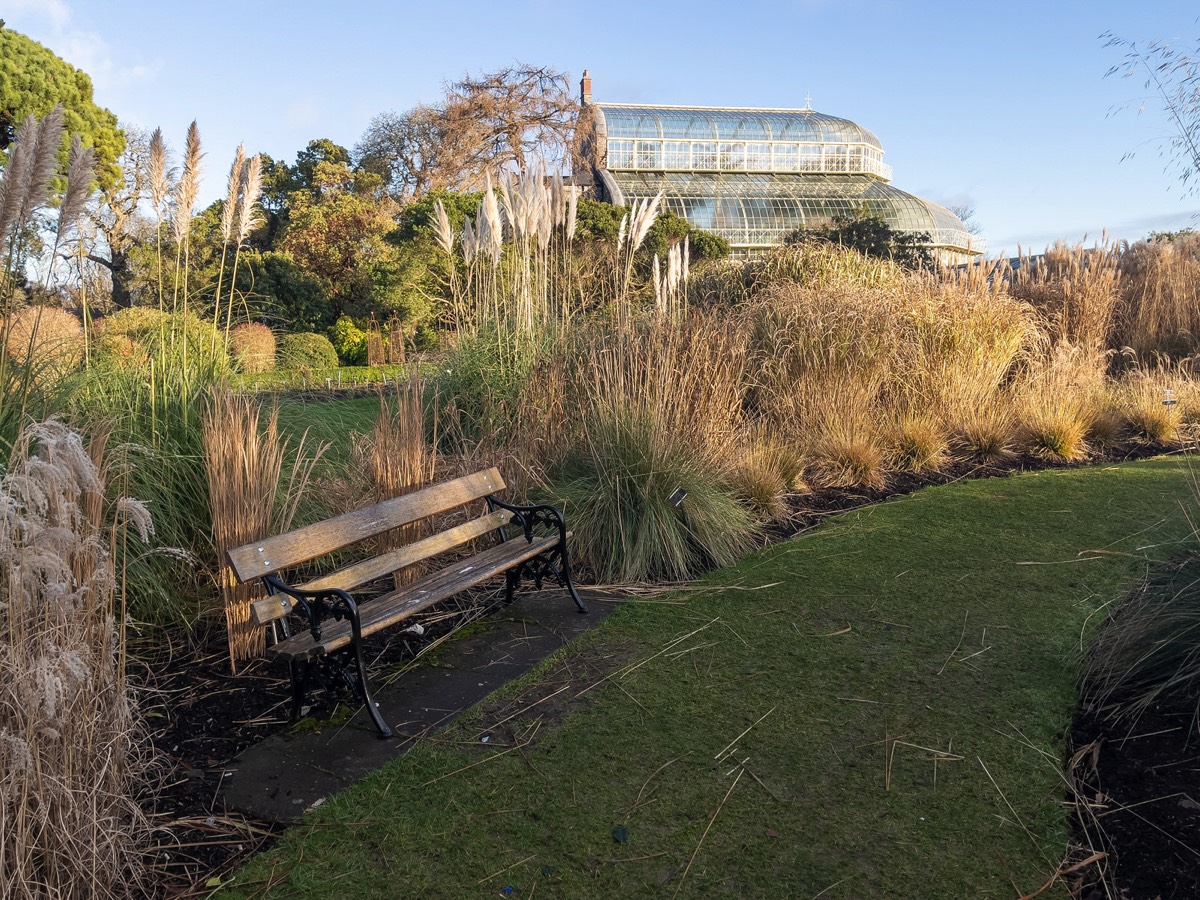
(332, 421)
(874, 709)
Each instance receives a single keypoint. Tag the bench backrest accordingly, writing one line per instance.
(273, 554)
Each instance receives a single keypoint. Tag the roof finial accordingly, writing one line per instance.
(808, 101)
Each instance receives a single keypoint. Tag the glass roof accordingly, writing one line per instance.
(759, 210)
(700, 123)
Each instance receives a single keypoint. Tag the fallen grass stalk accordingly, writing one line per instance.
(950, 658)
(700, 843)
(729, 747)
(1069, 870)
(621, 673)
(507, 868)
(1016, 816)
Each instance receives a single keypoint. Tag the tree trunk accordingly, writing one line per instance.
(122, 277)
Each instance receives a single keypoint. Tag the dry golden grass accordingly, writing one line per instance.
(255, 486)
(686, 375)
(253, 346)
(957, 346)
(1060, 393)
(817, 353)
(916, 443)
(1161, 288)
(1076, 290)
(1139, 396)
(70, 734)
(989, 432)
(848, 457)
(398, 459)
(766, 473)
(49, 339)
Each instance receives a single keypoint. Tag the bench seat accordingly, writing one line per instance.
(390, 609)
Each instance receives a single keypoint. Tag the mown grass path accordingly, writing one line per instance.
(876, 708)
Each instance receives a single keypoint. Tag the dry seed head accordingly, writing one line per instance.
(558, 198)
(660, 300)
(250, 190)
(643, 218)
(159, 173)
(572, 211)
(493, 221)
(188, 187)
(506, 200)
(43, 162)
(442, 230)
(468, 240)
(233, 187)
(79, 183)
(17, 177)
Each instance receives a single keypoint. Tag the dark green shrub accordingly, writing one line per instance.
(426, 338)
(306, 351)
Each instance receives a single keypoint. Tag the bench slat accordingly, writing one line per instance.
(411, 599)
(272, 554)
(351, 577)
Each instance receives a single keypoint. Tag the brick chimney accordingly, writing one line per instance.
(585, 89)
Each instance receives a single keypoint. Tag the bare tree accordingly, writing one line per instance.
(116, 217)
(1173, 79)
(966, 215)
(405, 150)
(507, 118)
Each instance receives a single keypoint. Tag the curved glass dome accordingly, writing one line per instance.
(734, 140)
(756, 211)
(754, 175)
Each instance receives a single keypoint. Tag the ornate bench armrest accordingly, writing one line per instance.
(317, 607)
(537, 515)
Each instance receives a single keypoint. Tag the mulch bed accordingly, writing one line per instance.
(1141, 785)
(202, 717)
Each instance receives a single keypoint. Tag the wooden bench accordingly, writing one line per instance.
(328, 649)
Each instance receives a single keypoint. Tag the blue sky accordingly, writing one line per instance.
(1004, 107)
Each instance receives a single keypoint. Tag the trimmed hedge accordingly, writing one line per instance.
(306, 351)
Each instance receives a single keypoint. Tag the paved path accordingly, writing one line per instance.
(279, 778)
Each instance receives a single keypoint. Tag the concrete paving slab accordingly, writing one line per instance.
(281, 777)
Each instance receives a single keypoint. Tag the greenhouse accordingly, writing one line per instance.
(754, 175)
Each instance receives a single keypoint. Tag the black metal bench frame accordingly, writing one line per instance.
(328, 649)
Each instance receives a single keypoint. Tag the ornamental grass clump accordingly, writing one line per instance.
(656, 406)
(1077, 290)
(255, 486)
(252, 346)
(398, 458)
(957, 344)
(1059, 395)
(1149, 399)
(45, 338)
(916, 443)
(616, 491)
(70, 735)
(1148, 652)
(1161, 290)
(767, 472)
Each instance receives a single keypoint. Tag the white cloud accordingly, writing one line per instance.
(49, 22)
(53, 12)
